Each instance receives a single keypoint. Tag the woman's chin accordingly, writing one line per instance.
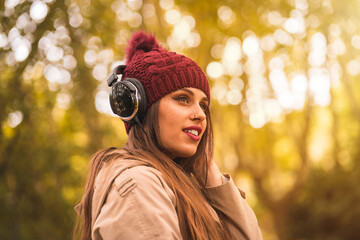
(186, 155)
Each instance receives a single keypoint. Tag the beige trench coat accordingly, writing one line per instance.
(134, 202)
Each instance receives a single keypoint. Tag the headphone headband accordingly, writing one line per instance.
(113, 77)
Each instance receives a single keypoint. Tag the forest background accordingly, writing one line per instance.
(285, 89)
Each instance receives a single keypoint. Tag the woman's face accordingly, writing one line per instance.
(182, 121)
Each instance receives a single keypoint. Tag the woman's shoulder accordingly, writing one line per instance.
(126, 176)
(143, 181)
(143, 175)
(122, 170)
(137, 205)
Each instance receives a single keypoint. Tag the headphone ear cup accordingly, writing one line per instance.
(128, 100)
(141, 96)
(121, 101)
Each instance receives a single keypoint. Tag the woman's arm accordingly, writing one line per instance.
(227, 198)
(214, 175)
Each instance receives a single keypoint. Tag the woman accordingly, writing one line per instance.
(164, 183)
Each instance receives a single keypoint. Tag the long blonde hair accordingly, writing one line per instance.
(185, 176)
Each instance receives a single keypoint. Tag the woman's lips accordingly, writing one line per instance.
(192, 136)
(193, 132)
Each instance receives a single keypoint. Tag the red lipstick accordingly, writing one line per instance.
(194, 137)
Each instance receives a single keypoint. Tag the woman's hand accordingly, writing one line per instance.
(214, 175)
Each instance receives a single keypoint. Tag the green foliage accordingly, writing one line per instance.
(327, 208)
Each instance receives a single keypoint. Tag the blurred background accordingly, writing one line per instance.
(285, 89)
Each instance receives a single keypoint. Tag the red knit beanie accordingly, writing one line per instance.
(160, 71)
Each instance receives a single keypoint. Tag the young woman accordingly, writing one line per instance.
(164, 183)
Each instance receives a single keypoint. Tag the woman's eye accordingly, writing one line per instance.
(203, 106)
(182, 99)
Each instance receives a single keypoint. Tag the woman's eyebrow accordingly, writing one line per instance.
(192, 93)
(188, 91)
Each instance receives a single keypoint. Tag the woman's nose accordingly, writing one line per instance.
(198, 114)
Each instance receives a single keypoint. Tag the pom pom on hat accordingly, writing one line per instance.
(140, 41)
(159, 71)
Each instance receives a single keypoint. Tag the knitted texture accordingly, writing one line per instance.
(161, 72)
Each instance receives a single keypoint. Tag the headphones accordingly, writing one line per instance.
(127, 97)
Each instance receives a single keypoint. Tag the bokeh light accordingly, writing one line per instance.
(38, 11)
(15, 118)
(226, 16)
(251, 45)
(214, 70)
